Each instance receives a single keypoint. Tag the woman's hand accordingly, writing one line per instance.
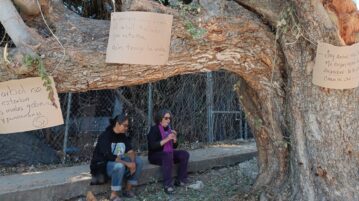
(171, 136)
(168, 138)
(175, 133)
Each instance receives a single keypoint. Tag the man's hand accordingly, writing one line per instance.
(131, 166)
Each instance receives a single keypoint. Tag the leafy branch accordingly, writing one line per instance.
(288, 23)
(195, 31)
(186, 10)
(36, 61)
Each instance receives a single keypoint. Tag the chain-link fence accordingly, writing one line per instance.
(205, 109)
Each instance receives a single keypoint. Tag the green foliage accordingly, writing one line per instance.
(288, 25)
(36, 61)
(162, 2)
(187, 9)
(258, 122)
(195, 31)
(283, 143)
(188, 13)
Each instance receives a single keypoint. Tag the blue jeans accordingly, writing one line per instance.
(117, 171)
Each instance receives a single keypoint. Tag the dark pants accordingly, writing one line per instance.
(165, 160)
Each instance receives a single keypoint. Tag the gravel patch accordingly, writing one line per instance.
(219, 184)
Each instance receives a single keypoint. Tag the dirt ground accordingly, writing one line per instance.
(219, 184)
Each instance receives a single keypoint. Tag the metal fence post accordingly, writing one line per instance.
(209, 100)
(149, 106)
(67, 124)
(245, 130)
(241, 124)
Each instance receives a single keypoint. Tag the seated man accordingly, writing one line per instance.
(113, 157)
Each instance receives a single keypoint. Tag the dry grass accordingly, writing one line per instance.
(219, 184)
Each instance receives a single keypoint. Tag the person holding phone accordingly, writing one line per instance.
(114, 157)
(162, 141)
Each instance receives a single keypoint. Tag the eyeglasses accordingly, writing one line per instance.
(167, 118)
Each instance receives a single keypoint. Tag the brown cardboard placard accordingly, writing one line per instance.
(25, 106)
(336, 67)
(139, 38)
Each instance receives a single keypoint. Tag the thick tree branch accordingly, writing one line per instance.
(14, 25)
(28, 7)
(269, 10)
(233, 43)
(336, 20)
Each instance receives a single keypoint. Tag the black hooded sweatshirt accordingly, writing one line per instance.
(109, 146)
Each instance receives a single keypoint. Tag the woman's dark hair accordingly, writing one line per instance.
(121, 118)
(160, 114)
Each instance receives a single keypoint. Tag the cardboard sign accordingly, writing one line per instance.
(336, 67)
(25, 106)
(139, 38)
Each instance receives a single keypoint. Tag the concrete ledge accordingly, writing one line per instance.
(66, 183)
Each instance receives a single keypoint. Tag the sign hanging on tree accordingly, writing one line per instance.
(27, 105)
(139, 38)
(336, 67)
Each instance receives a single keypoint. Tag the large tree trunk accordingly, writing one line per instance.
(324, 125)
(306, 136)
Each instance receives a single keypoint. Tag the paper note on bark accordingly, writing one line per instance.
(25, 106)
(139, 38)
(336, 67)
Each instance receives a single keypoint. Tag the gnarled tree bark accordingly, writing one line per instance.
(306, 136)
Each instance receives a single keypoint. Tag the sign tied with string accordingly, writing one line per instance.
(139, 38)
(25, 106)
(336, 67)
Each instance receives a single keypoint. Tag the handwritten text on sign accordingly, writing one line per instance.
(337, 67)
(24, 106)
(139, 38)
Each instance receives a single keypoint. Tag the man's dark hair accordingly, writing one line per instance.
(119, 118)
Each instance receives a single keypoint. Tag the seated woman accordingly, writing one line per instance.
(114, 157)
(161, 143)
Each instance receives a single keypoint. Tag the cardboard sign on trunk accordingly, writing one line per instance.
(336, 67)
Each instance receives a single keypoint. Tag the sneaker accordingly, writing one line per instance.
(116, 198)
(179, 183)
(129, 194)
(169, 190)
